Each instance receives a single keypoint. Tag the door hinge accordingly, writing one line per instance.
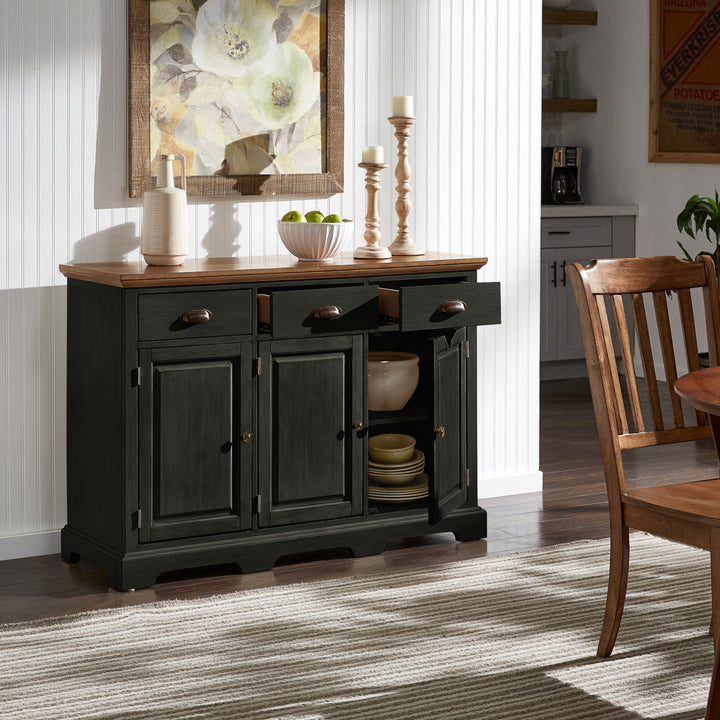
(258, 366)
(258, 504)
(139, 518)
(467, 477)
(138, 377)
(467, 349)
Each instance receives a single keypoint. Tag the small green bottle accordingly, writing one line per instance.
(561, 77)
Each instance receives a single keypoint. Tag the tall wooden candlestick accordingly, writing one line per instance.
(403, 244)
(372, 248)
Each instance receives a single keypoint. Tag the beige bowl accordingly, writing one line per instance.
(392, 379)
(314, 241)
(391, 448)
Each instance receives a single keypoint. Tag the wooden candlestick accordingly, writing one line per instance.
(403, 244)
(372, 248)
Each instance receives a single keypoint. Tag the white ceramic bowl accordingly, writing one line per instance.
(314, 241)
(392, 379)
(556, 4)
(391, 448)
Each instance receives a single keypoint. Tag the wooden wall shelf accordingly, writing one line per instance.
(569, 105)
(569, 17)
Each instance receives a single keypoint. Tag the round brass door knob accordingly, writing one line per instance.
(247, 437)
(440, 432)
(359, 425)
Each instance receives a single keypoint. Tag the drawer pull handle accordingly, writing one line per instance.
(196, 315)
(327, 312)
(452, 307)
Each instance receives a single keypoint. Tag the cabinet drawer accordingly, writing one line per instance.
(299, 313)
(426, 307)
(576, 232)
(186, 315)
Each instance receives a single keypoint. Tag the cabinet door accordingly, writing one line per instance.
(311, 457)
(548, 305)
(560, 336)
(448, 484)
(195, 470)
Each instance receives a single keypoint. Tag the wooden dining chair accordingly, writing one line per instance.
(608, 294)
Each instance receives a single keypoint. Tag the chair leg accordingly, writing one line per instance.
(715, 585)
(617, 585)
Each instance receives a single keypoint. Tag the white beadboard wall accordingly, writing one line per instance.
(474, 70)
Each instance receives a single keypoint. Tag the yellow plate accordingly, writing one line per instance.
(417, 457)
(398, 499)
(420, 483)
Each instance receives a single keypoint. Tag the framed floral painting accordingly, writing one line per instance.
(250, 92)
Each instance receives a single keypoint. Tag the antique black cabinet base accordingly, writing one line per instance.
(260, 550)
(218, 413)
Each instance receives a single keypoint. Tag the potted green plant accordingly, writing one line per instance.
(702, 214)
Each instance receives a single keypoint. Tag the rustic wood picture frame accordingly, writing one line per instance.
(672, 137)
(323, 184)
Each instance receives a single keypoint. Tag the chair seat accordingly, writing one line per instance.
(690, 500)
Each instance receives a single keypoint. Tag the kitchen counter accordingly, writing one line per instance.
(567, 211)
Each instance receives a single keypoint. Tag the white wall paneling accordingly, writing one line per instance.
(473, 69)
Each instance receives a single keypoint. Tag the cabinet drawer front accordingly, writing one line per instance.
(187, 315)
(576, 232)
(299, 313)
(426, 307)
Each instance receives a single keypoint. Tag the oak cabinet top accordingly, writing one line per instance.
(215, 271)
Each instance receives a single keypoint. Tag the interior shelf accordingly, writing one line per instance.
(568, 105)
(413, 412)
(569, 17)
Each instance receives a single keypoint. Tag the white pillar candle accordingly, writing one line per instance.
(373, 155)
(403, 106)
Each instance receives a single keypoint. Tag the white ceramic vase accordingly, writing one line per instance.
(164, 226)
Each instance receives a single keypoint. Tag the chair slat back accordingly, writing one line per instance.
(626, 349)
(687, 316)
(668, 354)
(626, 417)
(645, 348)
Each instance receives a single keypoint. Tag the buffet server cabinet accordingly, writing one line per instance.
(214, 418)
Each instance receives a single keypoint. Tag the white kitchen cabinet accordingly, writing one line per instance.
(564, 240)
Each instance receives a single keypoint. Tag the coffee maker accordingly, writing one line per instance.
(561, 175)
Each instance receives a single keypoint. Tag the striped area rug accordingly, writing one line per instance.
(509, 637)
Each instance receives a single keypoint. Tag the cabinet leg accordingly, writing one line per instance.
(469, 534)
(256, 563)
(363, 548)
(69, 556)
(134, 582)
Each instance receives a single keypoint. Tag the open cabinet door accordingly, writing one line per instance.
(448, 482)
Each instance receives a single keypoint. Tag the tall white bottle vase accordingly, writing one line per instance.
(164, 226)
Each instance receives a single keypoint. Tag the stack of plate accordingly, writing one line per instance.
(416, 489)
(398, 482)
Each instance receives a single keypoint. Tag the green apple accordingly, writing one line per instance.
(332, 218)
(314, 216)
(293, 216)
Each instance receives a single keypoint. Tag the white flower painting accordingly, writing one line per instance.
(237, 86)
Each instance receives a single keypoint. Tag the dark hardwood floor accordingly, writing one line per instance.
(571, 507)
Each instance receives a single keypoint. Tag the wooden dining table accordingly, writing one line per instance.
(701, 389)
